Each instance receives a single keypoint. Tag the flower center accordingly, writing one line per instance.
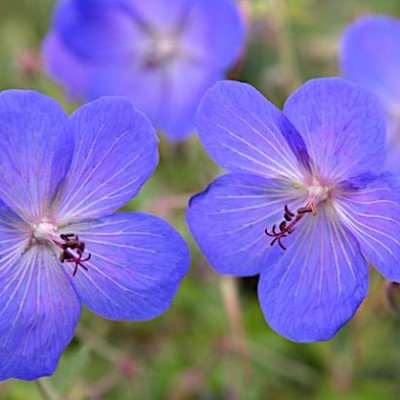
(72, 248)
(43, 231)
(162, 50)
(316, 194)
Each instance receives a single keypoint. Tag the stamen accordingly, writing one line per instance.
(287, 226)
(72, 251)
(288, 214)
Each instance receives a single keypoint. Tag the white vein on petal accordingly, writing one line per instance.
(278, 171)
(93, 171)
(290, 157)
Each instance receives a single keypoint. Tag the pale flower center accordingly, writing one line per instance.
(44, 231)
(317, 193)
(162, 49)
(165, 46)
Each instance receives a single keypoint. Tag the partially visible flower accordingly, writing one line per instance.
(161, 54)
(305, 202)
(370, 57)
(61, 245)
(28, 64)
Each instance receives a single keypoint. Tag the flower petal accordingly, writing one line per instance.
(160, 16)
(393, 159)
(318, 284)
(228, 221)
(35, 151)
(184, 85)
(342, 125)
(98, 30)
(371, 213)
(243, 132)
(144, 87)
(169, 95)
(65, 68)
(116, 152)
(137, 264)
(210, 30)
(39, 310)
(370, 56)
(214, 32)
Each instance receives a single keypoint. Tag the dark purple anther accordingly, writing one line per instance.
(286, 228)
(72, 251)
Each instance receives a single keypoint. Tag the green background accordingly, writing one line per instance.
(213, 343)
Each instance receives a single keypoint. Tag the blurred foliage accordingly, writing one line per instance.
(192, 352)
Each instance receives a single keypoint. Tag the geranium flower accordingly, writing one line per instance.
(163, 55)
(370, 57)
(61, 245)
(305, 203)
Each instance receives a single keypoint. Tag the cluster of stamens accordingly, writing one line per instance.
(287, 226)
(163, 51)
(72, 251)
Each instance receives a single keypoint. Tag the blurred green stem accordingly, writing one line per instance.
(230, 295)
(100, 346)
(286, 48)
(355, 342)
(45, 390)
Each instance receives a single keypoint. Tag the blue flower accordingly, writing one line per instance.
(163, 55)
(309, 180)
(61, 245)
(370, 57)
